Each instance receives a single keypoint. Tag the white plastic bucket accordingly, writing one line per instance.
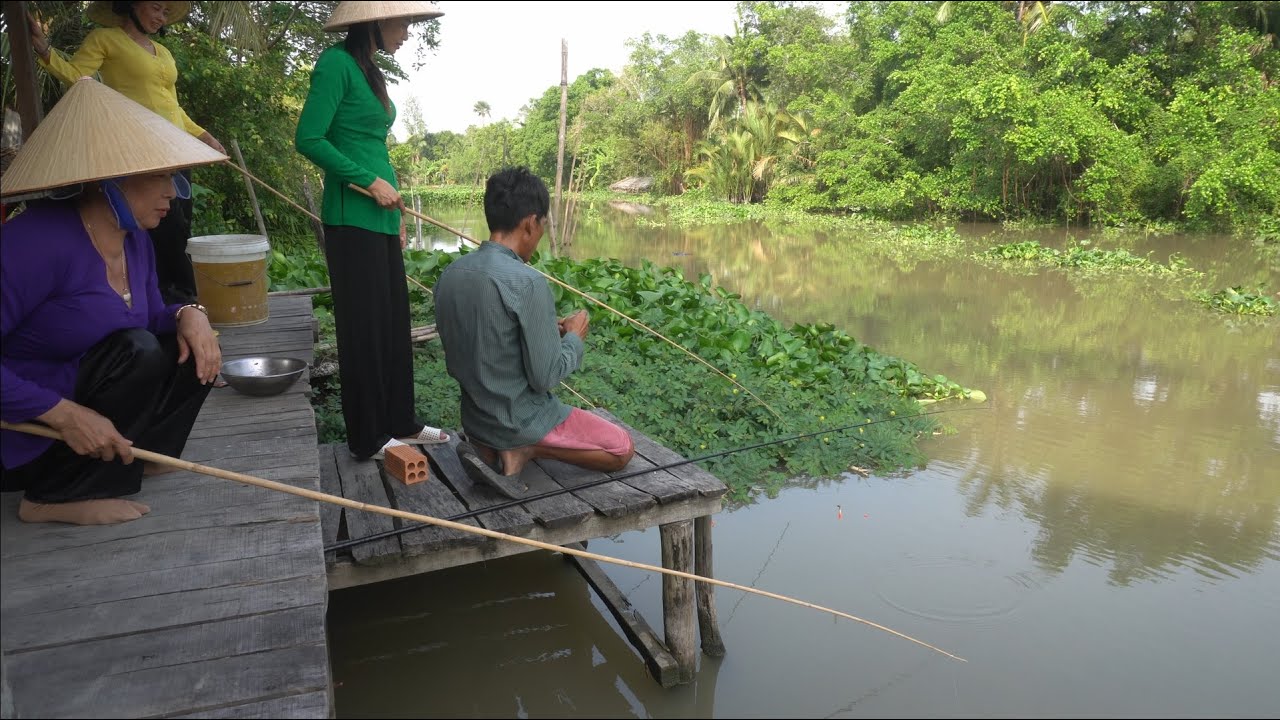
(231, 277)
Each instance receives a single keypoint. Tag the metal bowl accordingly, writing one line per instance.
(263, 375)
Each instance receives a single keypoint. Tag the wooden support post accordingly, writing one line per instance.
(677, 596)
(708, 623)
(24, 67)
(558, 222)
(253, 196)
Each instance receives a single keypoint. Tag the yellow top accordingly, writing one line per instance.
(126, 67)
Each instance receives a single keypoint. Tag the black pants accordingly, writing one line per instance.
(133, 378)
(173, 267)
(371, 316)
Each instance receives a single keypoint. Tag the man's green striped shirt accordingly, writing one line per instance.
(497, 321)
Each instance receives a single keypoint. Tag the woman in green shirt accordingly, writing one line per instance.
(343, 129)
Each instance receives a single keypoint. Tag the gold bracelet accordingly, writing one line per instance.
(177, 316)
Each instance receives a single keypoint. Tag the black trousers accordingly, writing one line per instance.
(173, 266)
(133, 378)
(371, 316)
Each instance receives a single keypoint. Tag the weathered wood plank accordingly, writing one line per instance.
(182, 689)
(514, 520)
(431, 498)
(330, 514)
(558, 511)
(612, 499)
(115, 557)
(123, 617)
(240, 572)
(706, 483)
(344, 574)
(362, 482)
(661, 663)
(300, 705)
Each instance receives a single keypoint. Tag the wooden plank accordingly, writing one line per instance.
(330, 514)
(514, 520)
(345, 574)
(707, 484)
(178, 550)
(661, 663)
(612, 499)
(431, 498)
(362, 482)
(555, 512)
(300, 705)
(74, 593)
(663, 485)
(184, 688)
(122, 617)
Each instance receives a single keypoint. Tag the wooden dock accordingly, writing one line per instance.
(679, 500)
(213, 605)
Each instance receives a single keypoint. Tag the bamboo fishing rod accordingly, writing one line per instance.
(624, 476)
(149, 456)
(473, 241)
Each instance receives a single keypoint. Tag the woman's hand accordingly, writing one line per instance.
(385, 195)
(39, 40)
(196, 339)
(208, 139)
(404, 233)
(87, 432)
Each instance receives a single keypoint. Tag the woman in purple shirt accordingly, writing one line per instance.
(89, 347)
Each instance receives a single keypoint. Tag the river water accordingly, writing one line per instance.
(1104, 540)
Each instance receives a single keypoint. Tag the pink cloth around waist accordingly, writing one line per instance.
(585, 431)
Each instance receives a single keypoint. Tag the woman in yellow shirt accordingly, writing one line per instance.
(141, 69)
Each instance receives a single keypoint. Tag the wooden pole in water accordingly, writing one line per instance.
(147, 455)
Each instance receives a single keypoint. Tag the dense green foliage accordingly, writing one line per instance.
(1114, 113)
(1095, 112)
(812, 376)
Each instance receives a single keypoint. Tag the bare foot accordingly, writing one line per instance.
(150, 469)
(514, 460)
(108, 511)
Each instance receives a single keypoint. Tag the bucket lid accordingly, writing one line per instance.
(228, 244)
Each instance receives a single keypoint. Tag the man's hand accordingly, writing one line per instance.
(575, 323)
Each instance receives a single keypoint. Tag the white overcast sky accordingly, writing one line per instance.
(507, 53)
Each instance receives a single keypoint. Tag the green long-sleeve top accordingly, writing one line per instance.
(343, 129)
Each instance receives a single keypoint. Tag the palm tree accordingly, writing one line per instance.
(1031, 15)
(482, 109)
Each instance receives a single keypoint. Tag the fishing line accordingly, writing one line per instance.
(552, 493)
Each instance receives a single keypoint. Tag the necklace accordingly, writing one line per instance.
(126, 294)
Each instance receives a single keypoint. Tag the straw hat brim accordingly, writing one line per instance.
(94, 133)
(100, 12)
(351, 13)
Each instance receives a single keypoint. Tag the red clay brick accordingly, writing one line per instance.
(406, 464)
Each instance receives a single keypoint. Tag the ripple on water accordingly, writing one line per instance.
(957, 590)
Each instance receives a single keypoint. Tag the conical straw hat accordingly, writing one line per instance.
(350, 13)
(95, 133)
(101, 13)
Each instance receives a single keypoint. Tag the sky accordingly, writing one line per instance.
(507, 53)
